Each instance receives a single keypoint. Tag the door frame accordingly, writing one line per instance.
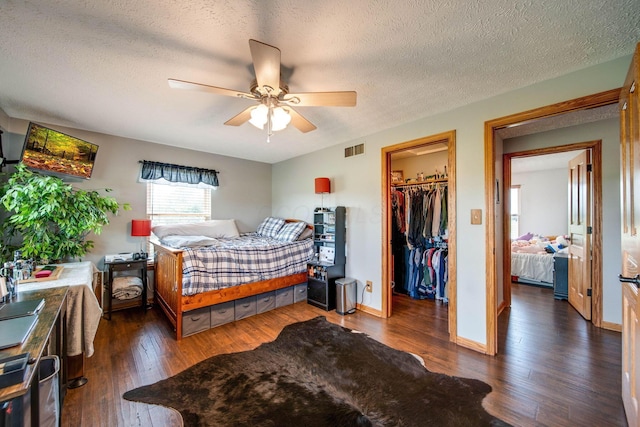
(490, 127)
(450, 139)
(596, 208)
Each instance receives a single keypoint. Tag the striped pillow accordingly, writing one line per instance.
(270, 227)
(291, 231)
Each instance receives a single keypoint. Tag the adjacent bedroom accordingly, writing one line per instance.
(539, 219)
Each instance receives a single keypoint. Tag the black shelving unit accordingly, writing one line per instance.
(329, 232)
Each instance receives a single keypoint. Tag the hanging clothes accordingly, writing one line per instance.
(440, 271)
(399, 241)
(437, 210)
(398, 210)
(443, 231)
(420, 211)
(419, 218)
(428, 212)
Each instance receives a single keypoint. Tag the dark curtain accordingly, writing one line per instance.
(177, 173)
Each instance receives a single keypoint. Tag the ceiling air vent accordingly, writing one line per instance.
(354, 150)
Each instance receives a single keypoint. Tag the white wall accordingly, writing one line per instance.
(357, 185)
(609, 132)
(244, 193)
(543, 201)
(4, 122)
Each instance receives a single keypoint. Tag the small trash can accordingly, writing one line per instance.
(345, 295)
(48, 393)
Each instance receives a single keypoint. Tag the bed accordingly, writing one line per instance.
(203, 268)
(528, 267)
(532, 260)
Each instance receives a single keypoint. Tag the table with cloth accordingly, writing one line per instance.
(83, 312)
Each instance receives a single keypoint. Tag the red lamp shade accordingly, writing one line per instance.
(141, 227)
(323, 185)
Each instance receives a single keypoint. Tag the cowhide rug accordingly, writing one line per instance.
(317, 373)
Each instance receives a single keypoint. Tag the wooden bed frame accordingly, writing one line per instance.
(168, 287)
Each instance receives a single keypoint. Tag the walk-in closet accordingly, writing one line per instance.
(419, 223)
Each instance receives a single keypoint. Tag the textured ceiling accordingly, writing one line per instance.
(103, 65)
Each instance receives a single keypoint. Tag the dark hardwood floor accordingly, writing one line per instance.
(553, 369)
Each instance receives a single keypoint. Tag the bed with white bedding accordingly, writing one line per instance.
(536, 267)
(532, 260)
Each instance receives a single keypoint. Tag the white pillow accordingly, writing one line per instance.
(177, 242)
(213, 228)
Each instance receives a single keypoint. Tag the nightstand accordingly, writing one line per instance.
(560, 276)
(115, 269)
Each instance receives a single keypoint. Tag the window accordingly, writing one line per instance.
(515, 211)
(173, 204)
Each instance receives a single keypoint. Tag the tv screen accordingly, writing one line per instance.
(52, 152)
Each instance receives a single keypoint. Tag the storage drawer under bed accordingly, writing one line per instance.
(266, 302)
(205, 318)
(245, 307)
(284, 296)
(300, 292)
(196, 321)
(222, 313)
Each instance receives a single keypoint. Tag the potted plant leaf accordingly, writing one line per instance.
(49, 220)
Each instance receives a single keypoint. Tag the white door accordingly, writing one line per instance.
(630, 150)
(579, 280)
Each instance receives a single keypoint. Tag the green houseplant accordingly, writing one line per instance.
(48, 219)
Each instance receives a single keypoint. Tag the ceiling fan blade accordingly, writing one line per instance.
(266, 64)
(240, 118)
(323, 99)
(182, 84)
(302, 124)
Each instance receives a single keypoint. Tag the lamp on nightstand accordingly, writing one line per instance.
(141, 228)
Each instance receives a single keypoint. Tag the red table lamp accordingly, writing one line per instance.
(141, 228)
(323, 185)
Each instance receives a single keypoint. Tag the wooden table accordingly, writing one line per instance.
(51, 325)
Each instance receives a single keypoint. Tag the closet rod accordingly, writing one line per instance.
(421, 184)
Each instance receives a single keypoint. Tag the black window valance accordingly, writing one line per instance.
(154, 171)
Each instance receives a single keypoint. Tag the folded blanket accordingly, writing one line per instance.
(126, 287)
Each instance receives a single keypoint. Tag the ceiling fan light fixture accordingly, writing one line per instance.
(279, 119)
(259, 116)
(271, 93)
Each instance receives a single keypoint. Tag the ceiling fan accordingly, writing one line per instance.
(274, 102)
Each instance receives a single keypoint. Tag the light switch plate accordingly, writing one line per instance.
(476, 216)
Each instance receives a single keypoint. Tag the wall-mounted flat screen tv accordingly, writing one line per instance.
(56, 153)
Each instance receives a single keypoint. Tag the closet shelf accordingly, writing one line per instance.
(431, 181)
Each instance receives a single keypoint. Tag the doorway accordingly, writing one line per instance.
(425, 144)
(545, 262)
(493, 146)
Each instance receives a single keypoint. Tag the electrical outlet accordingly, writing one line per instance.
(369, 287)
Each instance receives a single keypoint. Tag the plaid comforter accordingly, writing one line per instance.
(245, 259)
